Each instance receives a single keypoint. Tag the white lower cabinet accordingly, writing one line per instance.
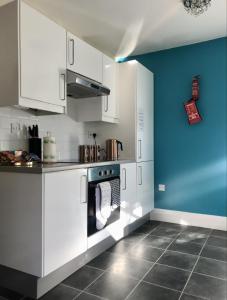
(145, 188)
(128, 193)
(65, 217)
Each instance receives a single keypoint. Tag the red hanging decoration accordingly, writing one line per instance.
(190, 106)
(192, 112)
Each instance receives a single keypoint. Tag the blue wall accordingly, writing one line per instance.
(190, 160)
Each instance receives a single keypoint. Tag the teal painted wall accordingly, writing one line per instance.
(190, 160)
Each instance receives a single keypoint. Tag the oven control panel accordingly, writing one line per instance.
(103, 172)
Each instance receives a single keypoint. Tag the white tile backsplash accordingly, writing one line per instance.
(69, 133)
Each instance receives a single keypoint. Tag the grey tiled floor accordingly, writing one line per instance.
(159, 261)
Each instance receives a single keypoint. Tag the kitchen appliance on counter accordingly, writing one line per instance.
(79, 86)
(90, 153)
(112, 149)
(96, 176)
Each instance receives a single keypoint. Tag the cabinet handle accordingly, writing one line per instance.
(124, 172)
(72, 43)
(83, 189)
(107, 104)
(62, 77)
(140, 148)
(141, 176)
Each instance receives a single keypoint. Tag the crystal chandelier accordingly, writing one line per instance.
(196, 7)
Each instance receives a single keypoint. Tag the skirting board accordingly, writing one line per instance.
(185, 218)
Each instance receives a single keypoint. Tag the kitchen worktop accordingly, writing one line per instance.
(39, 168)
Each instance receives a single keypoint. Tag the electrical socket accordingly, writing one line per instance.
(90, 134)
(162, 187)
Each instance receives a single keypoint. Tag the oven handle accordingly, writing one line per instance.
(83, 189)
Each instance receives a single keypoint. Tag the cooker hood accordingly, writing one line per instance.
(79, 87)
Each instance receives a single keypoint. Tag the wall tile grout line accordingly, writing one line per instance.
(141, 280)
(194, 266)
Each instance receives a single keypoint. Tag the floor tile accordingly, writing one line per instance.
(207, 287)
(83, 277)
(166, 232)
(215, 253)
(147, 291)
(157, 241)
(168, 277)
(219, 233)
(217, 242)
(185, 247)
(193, 237)
(86, 296)
(112, 286)
(103, 261)
(121, 247)
(178, 227)
(9, 295)
(145, 252)
(201, 230)
(61, 292)
(147, 227)
(189, 297)
(178, 260)
(133, 267)
(212, 267)
(134, 237)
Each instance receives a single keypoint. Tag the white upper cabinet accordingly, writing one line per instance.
(135, 95)
(83, 58)
(104, 108)
(43, 56)
(110, 110)
(144, 114)
(36, 56)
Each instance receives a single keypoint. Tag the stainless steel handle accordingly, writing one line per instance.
(71, 42)
(124, 173)
(140, 148)
(62, 76)
(141, 176)
(107, 104)
(83, 189)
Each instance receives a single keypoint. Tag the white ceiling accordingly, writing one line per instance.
(126, 27)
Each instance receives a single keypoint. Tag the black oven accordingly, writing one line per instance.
(96, 175)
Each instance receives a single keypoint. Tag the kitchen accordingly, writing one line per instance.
(112, 210)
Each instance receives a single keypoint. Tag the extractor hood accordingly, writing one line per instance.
(79, 87)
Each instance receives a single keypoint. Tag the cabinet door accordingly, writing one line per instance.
(65, 217)
(145, 114)
(110, 107)
(128, 193)
(42, 58)
(145, 187)
(83, 58)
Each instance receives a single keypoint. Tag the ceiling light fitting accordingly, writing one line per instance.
(196, 7)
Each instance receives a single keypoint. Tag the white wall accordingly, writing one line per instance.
(69, 133)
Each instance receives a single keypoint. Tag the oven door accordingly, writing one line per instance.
(115, 203)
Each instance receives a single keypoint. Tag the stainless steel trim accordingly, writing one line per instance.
(141, 175)
(79, 86)
(107, 104)
(140, 148)
(124, 173)
(103, 172)
(72, 50)
(63, 76)
(83, 178)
